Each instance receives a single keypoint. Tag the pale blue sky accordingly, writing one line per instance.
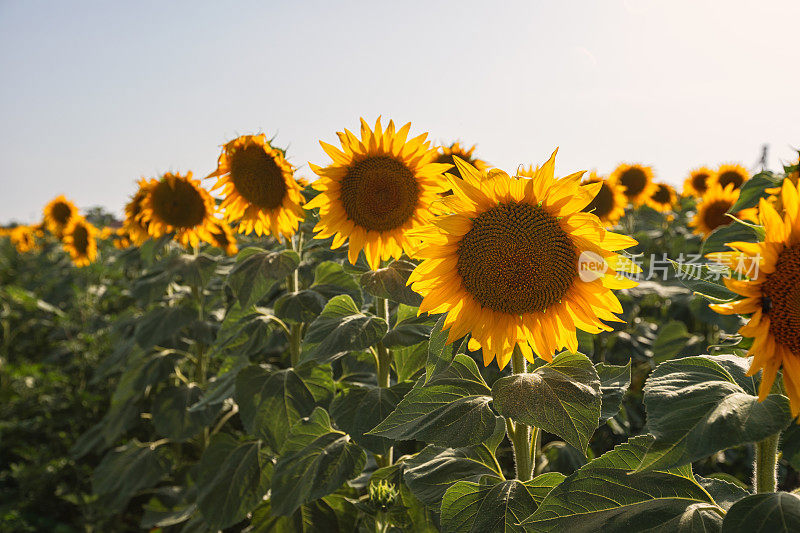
(96, 94)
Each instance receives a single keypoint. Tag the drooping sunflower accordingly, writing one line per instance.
(731, 174)
(446, 154)
(506, 265)
(637, 181)
(80, 241)
(663, 198)
(135, 227)
(23, 238)
(58, 213)
(259, 188)
(376, 190)
(222, 237)
(712, 211)
(178, 204)
(771, 294)
(697, 183)
(609, 203)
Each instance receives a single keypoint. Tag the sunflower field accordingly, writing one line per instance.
(409, 340)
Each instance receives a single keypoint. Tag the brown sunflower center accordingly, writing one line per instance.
(61, 213)
(602, 204)
(715, 214)
(634, 179)
(731, 176)
(179, 205)
(257, 177)
(379, 193)
(700, 182)
(80, 239)
(516, 259)
(781, 292)
(662, 195)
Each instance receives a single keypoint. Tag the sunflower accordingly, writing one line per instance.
(446, 154)
(791, 173)
(376, 190)
(770, 294)
(697, 183)
(121, 238)
(222, 237)
(637, 181)
(80, 241)
(663, 198)
(178, 204)
(505, 266)
(23, 238)
(712, 211)
(58, 214)
(731, 174)
(135, 227)
(609, 203)
(259, 187)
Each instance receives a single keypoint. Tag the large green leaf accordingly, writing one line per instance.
(562, 397)
(434, 469)
(441, 354)
(733, 232)
(149, 370)
(469, 507)
(452, 409)
(162, 323)
(754, 189)
(774, 512)
(172, 417)
(315, 461)
(409, 360)
(360, 409)
(605, 496)
(302, 306)
(332, 514)
(341, 328)
(270, 403)
(409, 331)
(232, 479)
(126, 470)
(330, 279)
(697, 406)
(614, 383)
(256, 270)
(702, 279)
(671, 341)
(390, 283)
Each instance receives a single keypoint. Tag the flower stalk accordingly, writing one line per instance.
(765, 477)
(524, 439)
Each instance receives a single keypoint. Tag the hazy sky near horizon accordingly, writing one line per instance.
(97, 94)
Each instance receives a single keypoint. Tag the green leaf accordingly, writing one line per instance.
(161, 324)
(434, 469)
(256, 270)
(790, 445)
(440, 354)
(330, 279)
(409, 360)
(172, 418)
(302, 306)
(701, 279)
(146, 372)
(452, 409)
(332, 514)
(764, 513)
(232, 479)
(614, 499)
(341, 328)
(315, 461)
(725, 493)
(126, 470)
(360, 409)
(733, 232)
(469, 507)
(697, 406)
(409, 332)
(168, 506)
(614, 383)
(390, 283)
(562, 397)
(271, 403)
(671, 341)
(754, 189)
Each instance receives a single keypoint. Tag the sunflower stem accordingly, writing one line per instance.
(293, 285)
(523, 437)
(384, 354)
(766, 465)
